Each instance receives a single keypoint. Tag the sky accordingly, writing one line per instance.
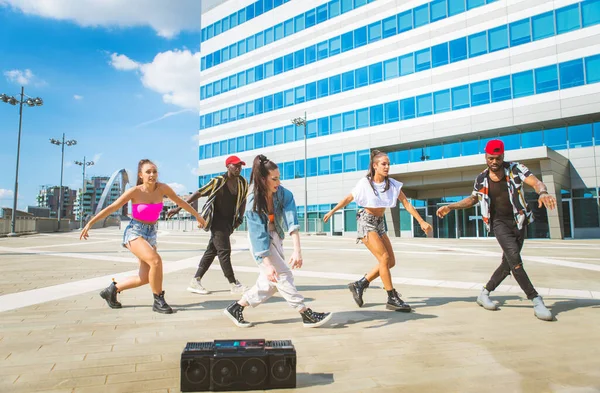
(121, 77)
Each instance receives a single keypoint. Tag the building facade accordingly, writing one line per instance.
(87, 201)
(429, 82)
(48, 197)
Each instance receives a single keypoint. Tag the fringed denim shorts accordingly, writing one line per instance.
(367, 222)
(137, 229)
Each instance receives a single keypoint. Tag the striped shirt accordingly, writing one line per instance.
(515, 175)
(211, 189)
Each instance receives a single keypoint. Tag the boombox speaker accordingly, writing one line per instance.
(224, 365)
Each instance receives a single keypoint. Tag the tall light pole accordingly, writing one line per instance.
(83, 164)
(299, 121)
(62, 162)
(31, 102)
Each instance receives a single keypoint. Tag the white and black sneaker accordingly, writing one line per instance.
(235, 312)
(315, 319)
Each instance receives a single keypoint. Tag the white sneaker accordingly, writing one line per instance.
(196, 287)
(237, 287)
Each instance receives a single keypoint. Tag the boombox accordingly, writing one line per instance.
(224, 365)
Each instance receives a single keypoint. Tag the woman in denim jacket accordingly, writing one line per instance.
(270, 213)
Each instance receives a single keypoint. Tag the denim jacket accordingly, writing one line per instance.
(286, 220)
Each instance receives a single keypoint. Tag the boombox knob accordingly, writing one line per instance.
(224, 371)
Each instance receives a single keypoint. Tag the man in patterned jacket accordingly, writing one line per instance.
(499, 190)
(223, 212)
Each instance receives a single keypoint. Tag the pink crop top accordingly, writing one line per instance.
(146, 211)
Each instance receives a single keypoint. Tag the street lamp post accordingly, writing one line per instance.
(31, 102)
(62, 162)
(299, 121)
(83, 164)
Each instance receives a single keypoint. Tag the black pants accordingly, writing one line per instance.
(218, 245)
(511, 240)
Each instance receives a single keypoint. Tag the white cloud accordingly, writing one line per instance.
(168, 114)
(6, 194)
(122, 62)
(179, 189)
(175, 74)
(23, 77)
(167, 18)
(78, 97)
(97, 158)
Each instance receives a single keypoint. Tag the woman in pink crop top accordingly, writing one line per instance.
(374, 193)
(140, 235)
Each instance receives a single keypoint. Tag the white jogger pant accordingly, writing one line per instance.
(264, 289)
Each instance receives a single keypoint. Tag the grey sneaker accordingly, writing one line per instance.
(237, 287)
(540, 310)
(196, 287)
(484, 300)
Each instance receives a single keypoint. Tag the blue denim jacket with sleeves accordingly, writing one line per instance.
(286, 221)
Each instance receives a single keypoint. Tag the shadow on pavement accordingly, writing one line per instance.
(305, 380)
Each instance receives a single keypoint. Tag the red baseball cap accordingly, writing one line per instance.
(234, 160)
(495, 147)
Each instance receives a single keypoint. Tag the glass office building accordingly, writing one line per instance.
(429, 82)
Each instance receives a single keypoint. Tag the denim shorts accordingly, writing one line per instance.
(137, 229)
(367, 222)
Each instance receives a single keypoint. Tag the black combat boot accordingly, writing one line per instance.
(110, 295)
(160, 305)
(357, 288)
(395, 303)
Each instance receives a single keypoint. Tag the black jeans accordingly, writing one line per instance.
(511, 240)
(218, 245)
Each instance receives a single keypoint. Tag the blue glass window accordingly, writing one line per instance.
(422, 60)
(392, 112)
(438, 10)
(592, 70)
(311, 91)
(542, 26)
(362, 118)
(375, 73)
(258, 140)
(375, 31)
(299, 167)
(451, 150)
(360, 37)
(311, 54)
(334, 8)
(335, 46)
(288, 97)
(571, 73)
(470, 148)
(299, 58)
(310, 18)
(522, 84)
(460, 97)
(348, 118)
(336, 164)
(441, 101)
(323, 166)
(390, 69)
(361, 77)
(439, 55)
(556, 138)
(288, 62)
(288, 27)
(458, 49)
(424, 105)
(347, 6)
(389, 27)
(546, 79)
(299, 96)
(278, 65)
(278, 100)
(364, 158)
(322, 50)
(567, 18)
(590, 11)
(407, 108)
(278, 135)
(311, 163)
(299, 23)
(480, 93)
(501, 89)
(335, 124)
(532, 139)
(477, 44)
(406, 64)
(475, 3)
(511, 142)
(259, 40)
(299, 133)
(580, 136)
(456, 7)
(269, 140)
(288, 170)
(348, 81)
(347, 41)
(376, 115)
(405, 21)
(323, 88)
(350, 162)
(498, 38)
(519, 32)
(288, 134)
(421, 15)
(311, 129)
(323, 126)
(321, 13)
(335, 84)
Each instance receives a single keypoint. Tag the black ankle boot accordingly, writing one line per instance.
(395, 303)
(357, 288)
(110, 295)
(160, 305)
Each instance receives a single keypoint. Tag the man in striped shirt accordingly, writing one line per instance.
(223, 212)
(499, 191)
